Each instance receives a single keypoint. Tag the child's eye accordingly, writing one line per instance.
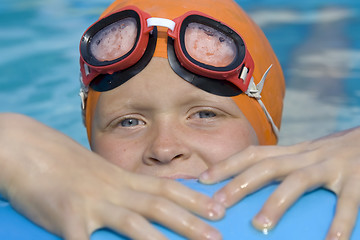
(205, 114)
(131, 122)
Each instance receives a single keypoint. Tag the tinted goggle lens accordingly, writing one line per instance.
(209, 46)
(115, 40)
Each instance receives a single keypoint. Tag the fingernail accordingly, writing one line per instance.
(220, 197)
(213, 235)
(204, 177)
(335, 236)
(262, 223)
(216, 210)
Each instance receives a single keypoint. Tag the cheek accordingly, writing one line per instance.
(121, 153)
(226, 142)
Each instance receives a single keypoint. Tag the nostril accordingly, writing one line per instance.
(153, 161)
(178, 156)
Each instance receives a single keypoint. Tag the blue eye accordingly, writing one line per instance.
(206, 114)
(131, 122)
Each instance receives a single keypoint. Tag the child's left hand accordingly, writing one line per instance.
(332, 162)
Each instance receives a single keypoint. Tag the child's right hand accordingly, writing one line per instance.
(71, 191)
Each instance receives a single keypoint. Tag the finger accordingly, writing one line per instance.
(128, 223)
(170, 215)
(346, 212)
(259, 175)
(77, 234)
(287, 193)
(63, 217)
(75, 229)
(183, 196)
(243, 160)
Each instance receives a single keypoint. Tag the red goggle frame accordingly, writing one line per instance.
(238, 72)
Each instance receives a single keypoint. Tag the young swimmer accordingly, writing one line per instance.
(124, 118)
(177, 135)
(156, 123)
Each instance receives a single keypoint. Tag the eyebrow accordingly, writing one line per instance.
(193, 100)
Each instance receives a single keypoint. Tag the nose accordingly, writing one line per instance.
(166, 144)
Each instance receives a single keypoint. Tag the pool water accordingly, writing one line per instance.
(317, 43)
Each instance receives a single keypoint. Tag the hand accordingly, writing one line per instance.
(332, 162)
(71, 191)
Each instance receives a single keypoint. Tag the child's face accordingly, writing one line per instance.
(159, 124)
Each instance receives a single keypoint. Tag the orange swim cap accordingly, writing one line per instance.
(231, 14)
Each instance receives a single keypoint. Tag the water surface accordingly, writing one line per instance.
(317, 43)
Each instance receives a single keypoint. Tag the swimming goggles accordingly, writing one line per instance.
(201, 50)
(118, 46)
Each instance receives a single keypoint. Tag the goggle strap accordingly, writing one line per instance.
(244, 73)
(161, 22)
(254, 91)
(260, 85)
(268, 116)
(83, 93)
(87, 69)
(83, 96)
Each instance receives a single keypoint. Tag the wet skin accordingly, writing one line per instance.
(159, 124)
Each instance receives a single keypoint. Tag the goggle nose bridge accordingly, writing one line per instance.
(161, 22)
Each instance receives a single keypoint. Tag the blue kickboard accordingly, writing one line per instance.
(309, 218)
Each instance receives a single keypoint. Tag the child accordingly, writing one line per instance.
(179, 117)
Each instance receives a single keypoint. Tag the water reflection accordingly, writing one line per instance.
(317, 43)
(321, 64)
